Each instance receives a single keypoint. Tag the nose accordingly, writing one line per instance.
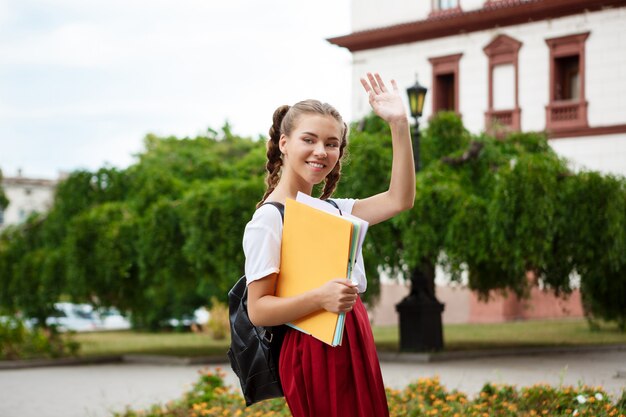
(320, 150)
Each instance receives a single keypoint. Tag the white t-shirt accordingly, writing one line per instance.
(262, 240)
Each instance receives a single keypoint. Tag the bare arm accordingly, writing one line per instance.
(265, 309)
(400, 195)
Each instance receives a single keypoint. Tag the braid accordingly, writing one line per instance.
(274, 160)
(331, 180)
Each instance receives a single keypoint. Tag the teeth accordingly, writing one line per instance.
(316, 165)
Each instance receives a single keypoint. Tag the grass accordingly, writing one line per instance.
(457, 337)
(131, 342)
(536, 333)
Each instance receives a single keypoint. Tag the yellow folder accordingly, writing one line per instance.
(315, 249)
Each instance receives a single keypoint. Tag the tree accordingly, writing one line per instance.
(4, 201)
(157, 239)
(503, 210)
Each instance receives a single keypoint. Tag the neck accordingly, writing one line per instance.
(289, 188)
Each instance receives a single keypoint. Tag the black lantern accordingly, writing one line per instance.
(417, 94)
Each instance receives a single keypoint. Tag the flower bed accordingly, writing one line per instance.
(425, 397)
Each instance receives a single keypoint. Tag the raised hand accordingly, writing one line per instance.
(386, 104)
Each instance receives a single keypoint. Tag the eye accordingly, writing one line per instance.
(333, 144)
(307, 140)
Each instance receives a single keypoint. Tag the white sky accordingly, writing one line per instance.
(82, 82)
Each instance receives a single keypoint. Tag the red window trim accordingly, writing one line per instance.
(567, 114)
(443, 65)
(503, 50)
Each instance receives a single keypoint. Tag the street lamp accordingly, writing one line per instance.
(420, 311)
(417, 95)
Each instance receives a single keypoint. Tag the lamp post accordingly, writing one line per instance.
(420, 311)
(417, 95)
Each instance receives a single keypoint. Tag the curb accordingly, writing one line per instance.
(173, 360)
(407, 357)
(39, 363)
(107, 360)
(390, 357)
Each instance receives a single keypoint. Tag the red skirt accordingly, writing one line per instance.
(343, 381)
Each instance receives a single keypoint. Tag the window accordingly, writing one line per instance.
(444, 7)
(567, 107)
(446, 4)
(503, 113)
(446, 83)
(567, 81)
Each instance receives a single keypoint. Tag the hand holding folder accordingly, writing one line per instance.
(317, 246)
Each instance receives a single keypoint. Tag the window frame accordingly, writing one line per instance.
(567, 114)
(444, 65)
(503, 50)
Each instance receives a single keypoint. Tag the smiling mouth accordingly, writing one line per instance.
(316, 165)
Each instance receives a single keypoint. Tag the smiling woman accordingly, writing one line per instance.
(306, 144)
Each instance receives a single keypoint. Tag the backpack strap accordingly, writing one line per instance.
(334, 204)
(279, 206)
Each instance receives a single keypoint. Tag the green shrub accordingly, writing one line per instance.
(20, 342)
(218, 325)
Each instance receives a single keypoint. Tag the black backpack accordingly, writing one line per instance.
(254, 350)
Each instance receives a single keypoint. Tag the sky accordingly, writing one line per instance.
(83, 82)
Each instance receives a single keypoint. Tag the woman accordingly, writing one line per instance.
(306, 145)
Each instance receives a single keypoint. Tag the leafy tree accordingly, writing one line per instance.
(508, 211)
(4, 201)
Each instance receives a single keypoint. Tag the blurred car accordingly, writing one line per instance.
(112, 319)
(199, 318)
(73, 317)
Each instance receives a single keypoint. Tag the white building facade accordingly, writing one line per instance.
(26, 196)
(532, 65)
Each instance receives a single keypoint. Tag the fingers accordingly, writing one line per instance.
(381, 84)
(346, 282)
(374, 84)
(365, 85)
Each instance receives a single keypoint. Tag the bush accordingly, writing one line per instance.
(218, 325)
(426, 397)
(20, 342)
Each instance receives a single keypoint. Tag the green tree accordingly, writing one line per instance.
(157, 239)
(508, 211)
(4, 201)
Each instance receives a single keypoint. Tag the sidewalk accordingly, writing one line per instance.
(98, 390)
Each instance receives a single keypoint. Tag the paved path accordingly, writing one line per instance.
(98, 390)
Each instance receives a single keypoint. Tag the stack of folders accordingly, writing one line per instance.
(319, 244)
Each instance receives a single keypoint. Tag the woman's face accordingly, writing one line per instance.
(312, 150)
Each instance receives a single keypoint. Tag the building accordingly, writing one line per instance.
(26, 196)
(557, 66)
(531, 65)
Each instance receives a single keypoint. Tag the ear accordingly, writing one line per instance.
(282, 144)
